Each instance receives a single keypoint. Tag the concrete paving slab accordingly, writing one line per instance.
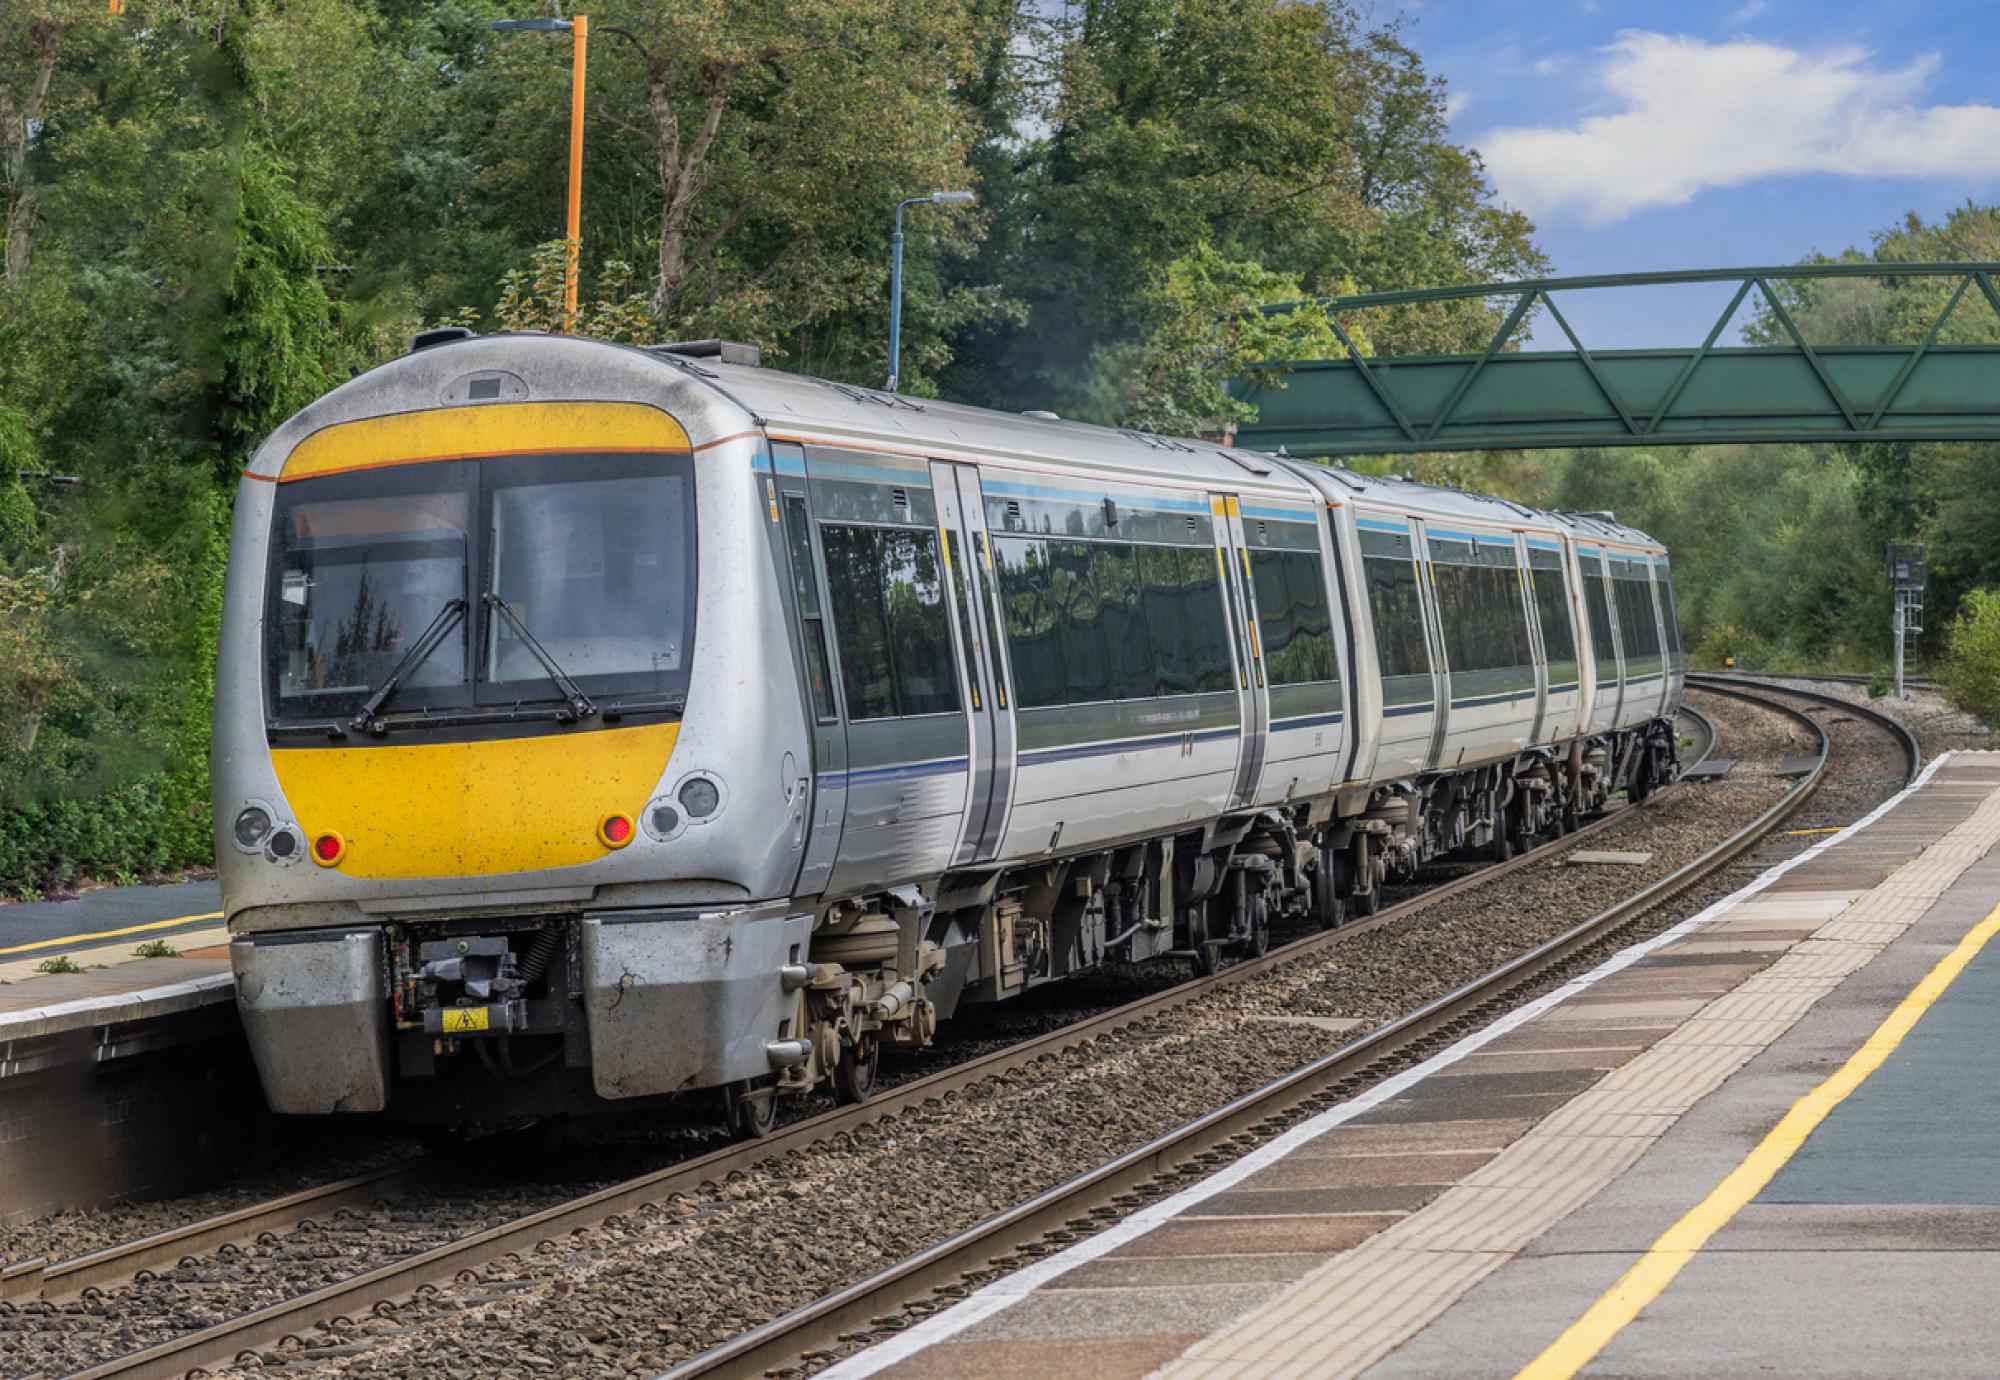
(1299, 1202)
(1261, 1236)
(1362, 1138)
(1122, 1358)
(1366, 1171)
(1119, 1312)
(1111, 1273)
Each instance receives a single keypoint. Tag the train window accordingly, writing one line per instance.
(1128, 652)
(1032, 616)
(1094, 621)
(1676, 658)
(359, 579)
(805, 586)
(1558, 633)
(1637, 620)
(1165, 614)
(888, 612)
(1208, 625)
(1599, 609)
(1292, 617)
(1086, 676)
(1484, 622)
(1396, 606)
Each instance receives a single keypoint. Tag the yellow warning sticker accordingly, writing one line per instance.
(460, 1019)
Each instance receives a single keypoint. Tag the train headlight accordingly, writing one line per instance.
(701, 797)
(252, 827)
(663, 821)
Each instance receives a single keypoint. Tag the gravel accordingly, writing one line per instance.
(641, 1291)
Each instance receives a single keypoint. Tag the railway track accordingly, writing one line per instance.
(1209, 1136)
(225, 1343)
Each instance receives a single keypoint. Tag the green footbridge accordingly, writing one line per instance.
(1944, 385)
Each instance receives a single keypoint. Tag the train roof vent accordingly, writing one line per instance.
(439, 335)
(722, 351)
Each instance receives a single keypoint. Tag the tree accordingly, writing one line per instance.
(32, 36)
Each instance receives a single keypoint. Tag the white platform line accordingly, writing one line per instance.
(1011, 1289)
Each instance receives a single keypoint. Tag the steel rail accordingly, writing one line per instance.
(1913, 753)
(224, 1342)
(39, 1278)
(1083, 1204)
(1823, 677)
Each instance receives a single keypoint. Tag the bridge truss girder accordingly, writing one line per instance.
(1506, 398)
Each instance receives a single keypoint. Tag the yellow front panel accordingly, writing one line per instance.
(474, 809)
(457, 433)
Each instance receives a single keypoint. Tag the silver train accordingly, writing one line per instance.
(596, 724)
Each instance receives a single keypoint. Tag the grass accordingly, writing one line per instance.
(155, 948)
(61, 963)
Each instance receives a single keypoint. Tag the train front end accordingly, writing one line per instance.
(496, 833)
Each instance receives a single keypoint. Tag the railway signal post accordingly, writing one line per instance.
(1908, 572)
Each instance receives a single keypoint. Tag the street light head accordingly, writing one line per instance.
(952, 198)
(531, 26)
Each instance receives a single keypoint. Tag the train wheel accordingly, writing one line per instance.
(1259, 942)
(1208, 956)
(753, 1109)
(854, 1076)
(1326, 889)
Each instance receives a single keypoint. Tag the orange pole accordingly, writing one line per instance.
(580, 37)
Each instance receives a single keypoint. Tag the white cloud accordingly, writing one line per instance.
(1689, 115)
(1746, 12)
(1455, 103)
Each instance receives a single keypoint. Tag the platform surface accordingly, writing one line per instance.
(1468, 1213)
(112, 918)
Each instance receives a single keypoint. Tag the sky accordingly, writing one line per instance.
(1712, 133)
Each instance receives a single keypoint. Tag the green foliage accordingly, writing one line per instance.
(1206, 332)
(1970, 670)
(531, 299)
(1880, 684)
(155, 948)
(62, 963)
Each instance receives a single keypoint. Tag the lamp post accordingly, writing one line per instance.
(578, 28)
(896, 275)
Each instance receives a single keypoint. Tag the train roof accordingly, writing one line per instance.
(808, 408)
(799, 403)
(841, 411)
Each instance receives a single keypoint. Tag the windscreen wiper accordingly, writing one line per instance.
(426, 643)
(580, 706)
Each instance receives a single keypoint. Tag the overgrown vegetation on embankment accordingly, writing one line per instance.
(215, 210)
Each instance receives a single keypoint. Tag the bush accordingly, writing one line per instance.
(153, 825)
(1970, 672)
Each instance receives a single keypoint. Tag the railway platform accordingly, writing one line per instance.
(116, 1079)
(1764, 1141)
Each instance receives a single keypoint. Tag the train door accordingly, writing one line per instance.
(1391, 575)
(1232, 553)
(1434, 634)
(1537, 643)
(968, 564)
(1618, 643)
(808, 583)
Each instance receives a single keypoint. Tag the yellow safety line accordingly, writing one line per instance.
(60, 941)
(1679, 1244)
(1825, 829)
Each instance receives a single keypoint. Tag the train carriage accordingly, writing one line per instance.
(596, 724)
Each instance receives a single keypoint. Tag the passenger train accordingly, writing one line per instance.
(597, 724)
